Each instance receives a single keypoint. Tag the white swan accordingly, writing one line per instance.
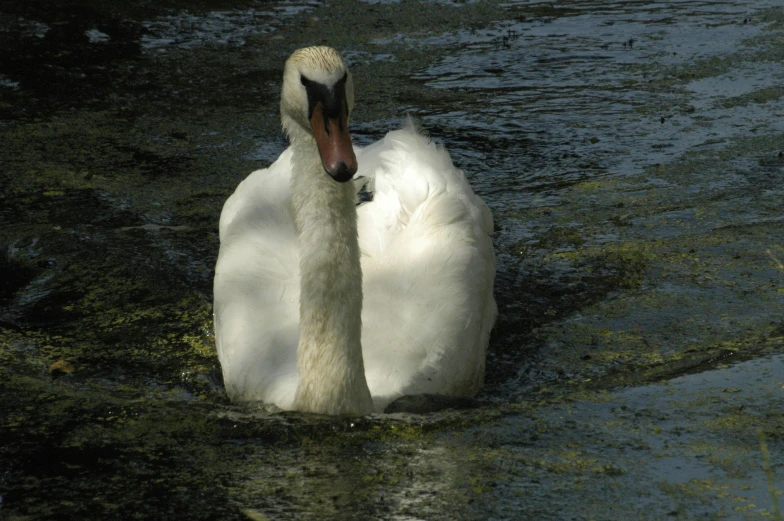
(297, 255)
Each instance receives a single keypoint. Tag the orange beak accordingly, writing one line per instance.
(334, 143)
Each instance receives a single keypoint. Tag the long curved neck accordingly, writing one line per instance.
(329, 355)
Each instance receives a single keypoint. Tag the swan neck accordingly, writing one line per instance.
(329, 354)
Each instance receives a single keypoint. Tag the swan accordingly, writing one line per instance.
(327, 306)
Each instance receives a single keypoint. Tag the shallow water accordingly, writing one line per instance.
(631, 154)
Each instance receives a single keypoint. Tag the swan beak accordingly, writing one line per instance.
(334, 144)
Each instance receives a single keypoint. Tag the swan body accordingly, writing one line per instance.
(322, 305)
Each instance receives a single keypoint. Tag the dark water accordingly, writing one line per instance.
(632, 154)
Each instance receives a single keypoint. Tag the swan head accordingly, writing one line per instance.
(317, 98)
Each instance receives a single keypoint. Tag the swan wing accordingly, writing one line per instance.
(428, 268)
(256, 288)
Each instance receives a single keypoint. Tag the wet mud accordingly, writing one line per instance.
(633, 157)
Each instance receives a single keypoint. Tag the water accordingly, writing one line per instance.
(632, 156)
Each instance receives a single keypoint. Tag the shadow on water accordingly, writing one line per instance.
(631, 154)
(62, 56)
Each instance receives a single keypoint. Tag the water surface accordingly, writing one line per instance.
(632, 154)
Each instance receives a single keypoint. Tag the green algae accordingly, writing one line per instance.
(758, 96)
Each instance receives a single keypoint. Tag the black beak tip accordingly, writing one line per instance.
(342, 172)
